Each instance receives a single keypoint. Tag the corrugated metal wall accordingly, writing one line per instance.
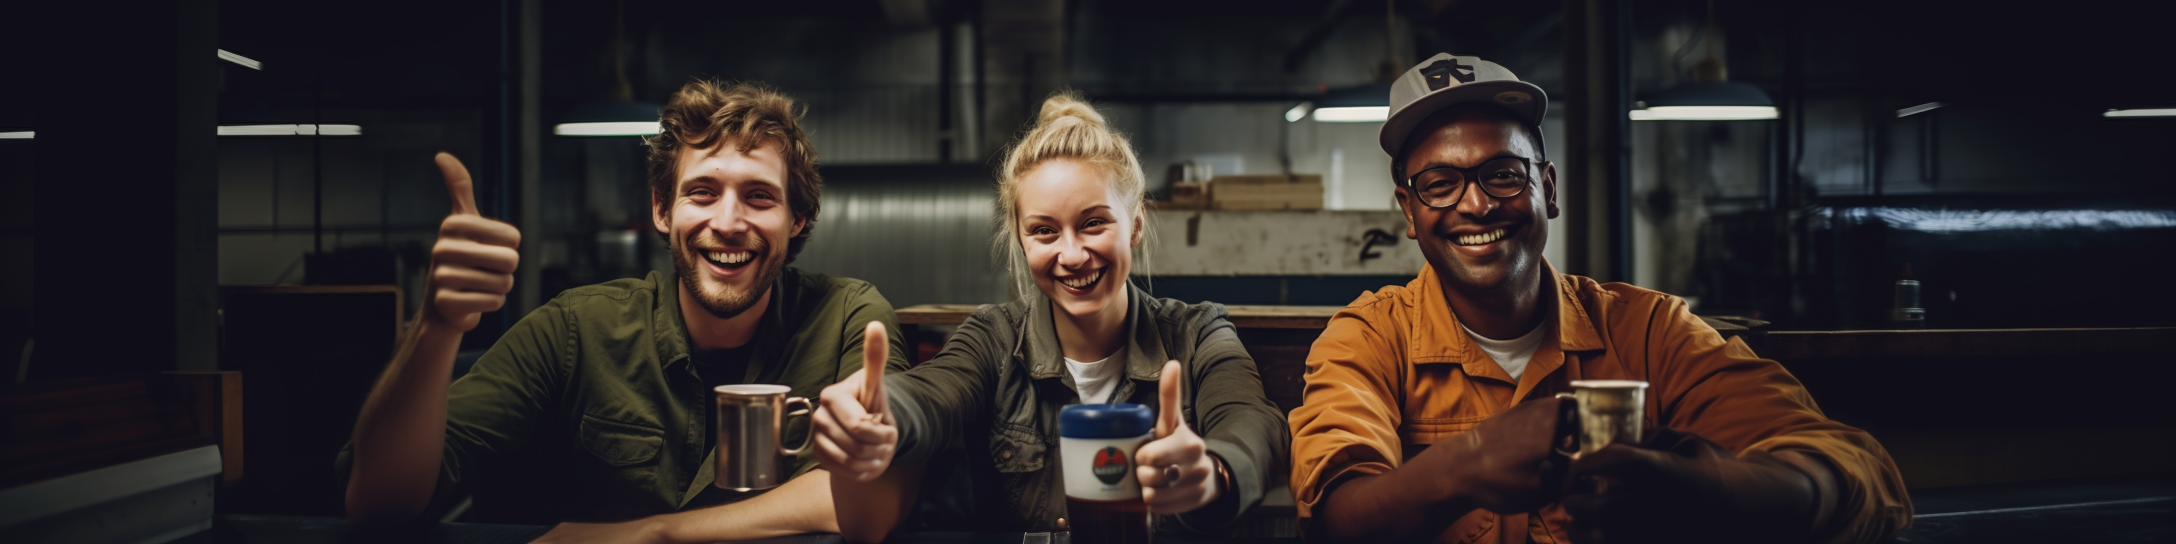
(920, 233)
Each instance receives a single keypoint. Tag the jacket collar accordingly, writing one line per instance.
(1144, 350)
(1436, 340)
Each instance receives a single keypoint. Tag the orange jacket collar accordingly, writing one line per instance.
(1444, 341)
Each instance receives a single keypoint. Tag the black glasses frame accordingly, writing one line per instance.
(1471, 176)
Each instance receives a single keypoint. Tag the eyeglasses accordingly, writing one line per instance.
(1442, 186)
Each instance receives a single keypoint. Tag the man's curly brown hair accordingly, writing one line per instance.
(704, 113)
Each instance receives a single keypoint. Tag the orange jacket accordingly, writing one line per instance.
(1394, 373)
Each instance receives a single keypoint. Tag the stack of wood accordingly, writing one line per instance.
(1267, 192)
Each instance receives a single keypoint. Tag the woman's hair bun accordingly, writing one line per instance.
(1065, 104)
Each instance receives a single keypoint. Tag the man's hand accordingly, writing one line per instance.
(1508, 463)
(472, 265)
(1176, 473)
(855, 438)
(1679, 487)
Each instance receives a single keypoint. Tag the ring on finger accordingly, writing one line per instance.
(1171, 475)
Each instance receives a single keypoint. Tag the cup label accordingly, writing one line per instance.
(1100, 469)
(1111, 465)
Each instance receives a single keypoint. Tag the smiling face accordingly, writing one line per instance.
(728, 224)
(1480, 244)
(1078, 235)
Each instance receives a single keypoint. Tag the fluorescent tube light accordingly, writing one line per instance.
(1919, 109)
(290, 130)
(1704, 113)
(246, 130)
(2142, 112)
(1354, 114)
(246, 62)
(622, 128)
(1298, 112)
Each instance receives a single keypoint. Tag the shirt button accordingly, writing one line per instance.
(1061, 524)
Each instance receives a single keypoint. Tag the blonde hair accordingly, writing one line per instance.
(1068, 128)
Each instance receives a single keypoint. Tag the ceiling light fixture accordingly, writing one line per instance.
(607, 128)
(246, 62)
(1298, 112)
(1368, 103)
(232, 131)
(290, 130)
(1711, 96)
(1919, 109)
(1352, 114)
(1704, 113)
(2141, 112)
(621, 114)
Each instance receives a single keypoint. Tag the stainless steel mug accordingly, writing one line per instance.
(1610, 411)
(749, 420)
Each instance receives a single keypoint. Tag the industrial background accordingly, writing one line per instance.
(1980, 150)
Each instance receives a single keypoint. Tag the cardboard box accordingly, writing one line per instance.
(1270, 192)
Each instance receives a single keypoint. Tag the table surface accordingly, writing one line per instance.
(2137, 509)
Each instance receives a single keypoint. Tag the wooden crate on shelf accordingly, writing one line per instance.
(1267, 192)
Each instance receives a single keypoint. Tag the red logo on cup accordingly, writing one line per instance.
(1110, 465)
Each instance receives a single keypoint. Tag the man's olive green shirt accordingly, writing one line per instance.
(600, 383)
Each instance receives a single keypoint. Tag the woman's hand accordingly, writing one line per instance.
(854, 437)
(1176, 472)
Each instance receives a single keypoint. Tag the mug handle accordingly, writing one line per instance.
(806, 410)
(1567, 426)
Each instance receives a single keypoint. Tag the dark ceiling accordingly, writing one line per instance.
(427, 54)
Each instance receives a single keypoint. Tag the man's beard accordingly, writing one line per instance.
(727, 304)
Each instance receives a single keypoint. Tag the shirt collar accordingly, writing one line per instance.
(675, 348)
(1145, 352)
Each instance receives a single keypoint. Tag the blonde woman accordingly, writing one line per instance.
(1070, 202)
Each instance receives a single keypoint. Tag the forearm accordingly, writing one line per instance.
(926, 423)
(400, 434)
(1398, 505)
(868, 511)
(1815, 514)
(799, 506)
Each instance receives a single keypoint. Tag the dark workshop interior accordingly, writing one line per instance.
(1920, 208)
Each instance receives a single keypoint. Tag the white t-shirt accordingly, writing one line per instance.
(1095, 379)
(1511, 354)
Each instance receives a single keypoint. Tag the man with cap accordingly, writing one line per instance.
(1430, 408)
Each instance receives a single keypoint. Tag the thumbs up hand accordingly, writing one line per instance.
(1177, 475)
(472, 264)
(855, 438)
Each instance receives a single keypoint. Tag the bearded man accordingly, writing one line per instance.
(606, 390)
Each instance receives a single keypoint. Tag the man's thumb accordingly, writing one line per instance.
(458, 184)
(1167, 391)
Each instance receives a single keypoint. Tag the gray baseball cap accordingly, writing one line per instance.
(1445, 80)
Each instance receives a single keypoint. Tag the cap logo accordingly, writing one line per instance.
(1439, 73)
